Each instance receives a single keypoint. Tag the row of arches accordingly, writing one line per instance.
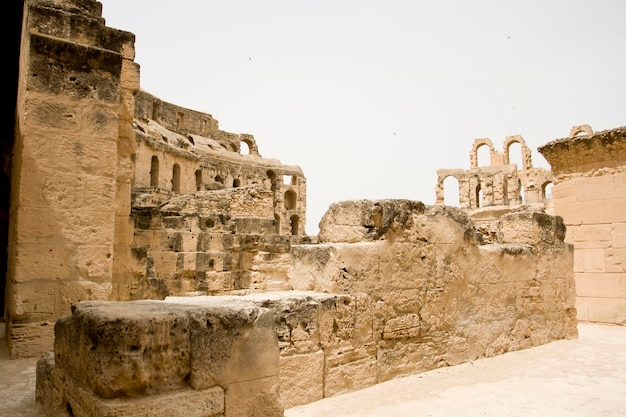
(476, 197)
(290, 196)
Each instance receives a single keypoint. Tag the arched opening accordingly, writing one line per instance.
(290, 199)
(236, 183)
(154, 172)
(483, 155)
(295, 224)
(451, 195)
(522, 198)
(219, 179)
(176, 178)
(156, 111)
(479, 196)
(272, 177)
(546, 190)
(198, 179)
(244, 148)
(515, 153)
(180, 120)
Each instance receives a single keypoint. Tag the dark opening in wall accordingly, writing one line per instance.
(154, 172)
(176, 178)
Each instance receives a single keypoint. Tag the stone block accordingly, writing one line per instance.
(615, 261)
(301, 378)
(350, 369)
(232, 343)
(254, 398)
(120, 349)
(598, 285)
(44, 262)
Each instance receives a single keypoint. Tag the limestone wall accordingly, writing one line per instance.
(590, 195)
(70, 191)
(395, 288)
(210, 242)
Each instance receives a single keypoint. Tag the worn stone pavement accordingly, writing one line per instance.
(584, 377)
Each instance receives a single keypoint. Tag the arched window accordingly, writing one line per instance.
(295, 224)
(198, 179)
(483, 155)
(272, 176)
(244, 148)
(154, 172)
(515, 154)
(176, 178)
(290, 199)
(546, 190)
(236, 182)
(451, 191)
(479, 196)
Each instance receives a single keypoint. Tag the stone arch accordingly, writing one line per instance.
(250, 143)
(176, 178)
(451, 191)
(546, 190)
(474, 153)
(291, 199)
(154, 171)
(479, 195)
(272, 177)
(577, 130)
(295, 224)
(525, 157)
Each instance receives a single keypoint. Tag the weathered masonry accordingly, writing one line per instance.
(394, 287)
(590, 194)
(118, 195)
(500, 182)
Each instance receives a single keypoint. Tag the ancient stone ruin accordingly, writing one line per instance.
(590, 194)
(160, 264)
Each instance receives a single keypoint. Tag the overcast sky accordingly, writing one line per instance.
(370, 98)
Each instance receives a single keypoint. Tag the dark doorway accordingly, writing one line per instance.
(13, 11)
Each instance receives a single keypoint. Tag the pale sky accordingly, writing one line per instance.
(370, 98)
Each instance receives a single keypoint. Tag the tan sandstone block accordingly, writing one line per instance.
(616, 260)
(301, 378)
(572, 213)
(611, 310)
(44, 261)
(256, 398)
(94, 262)
(350, 369)
(618, 238)
(604, 211)
(593, 259)
(598, 285)
(595, 188)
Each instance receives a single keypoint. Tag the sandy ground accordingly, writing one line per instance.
(585, 377)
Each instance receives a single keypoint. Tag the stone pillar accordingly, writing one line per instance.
(590, 194)
(71, 104)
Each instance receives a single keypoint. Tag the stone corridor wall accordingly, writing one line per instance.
(394, 288)
(590, 195)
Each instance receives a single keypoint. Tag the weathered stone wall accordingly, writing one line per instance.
(395, 288)
(590, 195)
(500, 182)
(210, 242)
(71, 166)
